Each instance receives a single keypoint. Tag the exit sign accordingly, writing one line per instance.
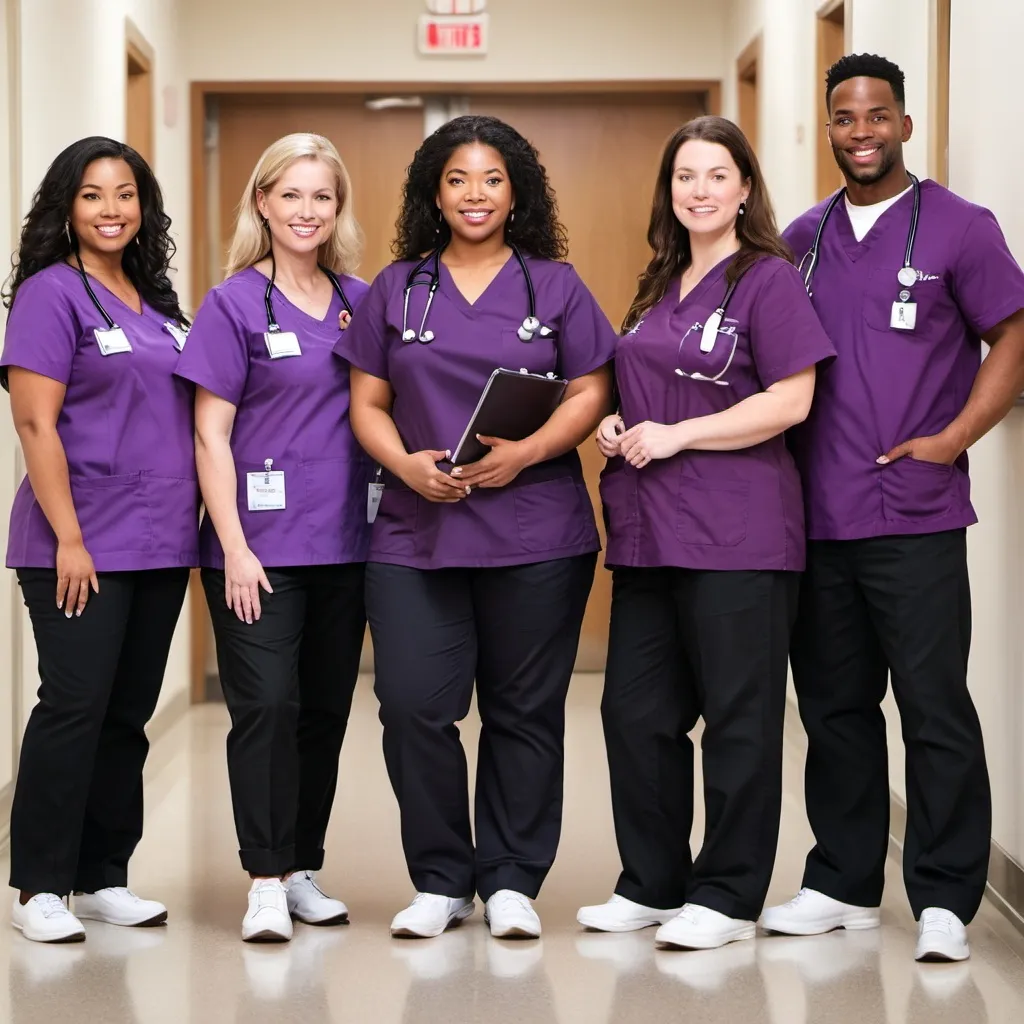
(453, 36)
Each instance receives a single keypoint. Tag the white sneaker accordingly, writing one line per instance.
(267, 919)
(697, 927)
(429, 915)
(622, 915)
(811, 912)
(118, 905)
(46, 918)
(511, 916)
(941, 937)
(308, 903)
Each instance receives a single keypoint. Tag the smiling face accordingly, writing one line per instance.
(302, 206)
(867, 130)
(106, 213)
(475, 195)
(707, 187)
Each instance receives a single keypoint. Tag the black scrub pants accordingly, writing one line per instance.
(77, 814)
(288, 680)
(516, 630)
(869, 609)
(688, 644)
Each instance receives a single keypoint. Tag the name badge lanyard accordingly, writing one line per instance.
(907, 276)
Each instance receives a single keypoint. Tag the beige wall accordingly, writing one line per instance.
(531, 40)
(68, 81)
(983, 165)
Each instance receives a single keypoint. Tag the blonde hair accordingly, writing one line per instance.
(251, 241)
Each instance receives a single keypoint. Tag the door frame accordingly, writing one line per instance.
(748, 70)
(140, 54)
(201, 92)
(826, 21)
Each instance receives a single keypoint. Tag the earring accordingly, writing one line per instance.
(743, 208)
(67, 231)
(512, 216)
(440, 221)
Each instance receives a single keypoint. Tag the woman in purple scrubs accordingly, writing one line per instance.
(706, 540)
(481, 572)
(103, 530)
(285, 536)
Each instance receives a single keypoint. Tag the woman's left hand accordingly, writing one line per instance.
(647, 441)
(500, 466)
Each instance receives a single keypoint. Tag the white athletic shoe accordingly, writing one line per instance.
(622, 915)
(941, 937)
(267, 919)
(46, 918)
(308, 903)
(429, 915)
(511, 916)
(811, 912)
(119, 905)
(697, 927)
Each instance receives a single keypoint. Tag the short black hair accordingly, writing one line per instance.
(865, 65)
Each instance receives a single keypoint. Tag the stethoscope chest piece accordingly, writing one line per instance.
(907, 276)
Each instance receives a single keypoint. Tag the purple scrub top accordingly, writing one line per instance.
(888, 386)
(545, 513)
(293, 410)
(705, 509)
(126, 428)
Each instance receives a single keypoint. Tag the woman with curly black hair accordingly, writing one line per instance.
(104, 528)
(478, 572)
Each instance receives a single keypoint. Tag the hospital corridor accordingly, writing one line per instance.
(513, 512)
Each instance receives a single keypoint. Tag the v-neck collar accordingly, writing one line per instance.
(452, 291)
(702, 286)
(96, 283)
(889, 219)
(277, 294)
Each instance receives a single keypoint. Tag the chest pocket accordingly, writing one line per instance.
(538, 356)
(931, 297)
(708, 367)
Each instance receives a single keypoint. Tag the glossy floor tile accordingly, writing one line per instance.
(198, 970)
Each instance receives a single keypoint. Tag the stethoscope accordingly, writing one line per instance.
(272, 325)
(907, 275)
(709, 336)
(431, 264)
(179, 332)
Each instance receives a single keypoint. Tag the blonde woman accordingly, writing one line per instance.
(285, 536)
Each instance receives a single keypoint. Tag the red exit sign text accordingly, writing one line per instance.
(453, 36)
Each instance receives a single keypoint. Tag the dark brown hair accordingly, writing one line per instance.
(756, 229)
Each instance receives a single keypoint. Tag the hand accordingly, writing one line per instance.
(419, 471)
(609, 435)
(243, 577)
(344, 319)
(937, 448)
(647, 441)
(75, 574)
(500, 466)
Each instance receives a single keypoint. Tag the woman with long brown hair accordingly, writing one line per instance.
(704, 512)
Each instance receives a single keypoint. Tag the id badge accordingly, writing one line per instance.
(266, 491)
(281, 344)
(179, 334)
(904, 316)
(112, 341)
(373, 496)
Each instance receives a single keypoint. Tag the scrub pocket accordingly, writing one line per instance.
(914, 490)
(553, 514)
(113, 512)
(394, 530)
(537, 356)
(884, 289)
(712, 514)
(334, 510)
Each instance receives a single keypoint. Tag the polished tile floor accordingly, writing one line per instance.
(197, 970)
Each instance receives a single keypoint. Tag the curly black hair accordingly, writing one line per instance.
(45, 240)
(865, 65)
(535, 229)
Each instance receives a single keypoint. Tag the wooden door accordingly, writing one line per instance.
(602, 154)
(831, 46)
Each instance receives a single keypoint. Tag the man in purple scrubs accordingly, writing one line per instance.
(907, 300)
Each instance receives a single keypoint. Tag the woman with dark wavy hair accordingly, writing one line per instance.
(483, 571)
(103, 529)
(706, 542)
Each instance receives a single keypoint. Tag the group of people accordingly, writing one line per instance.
(785, 419)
